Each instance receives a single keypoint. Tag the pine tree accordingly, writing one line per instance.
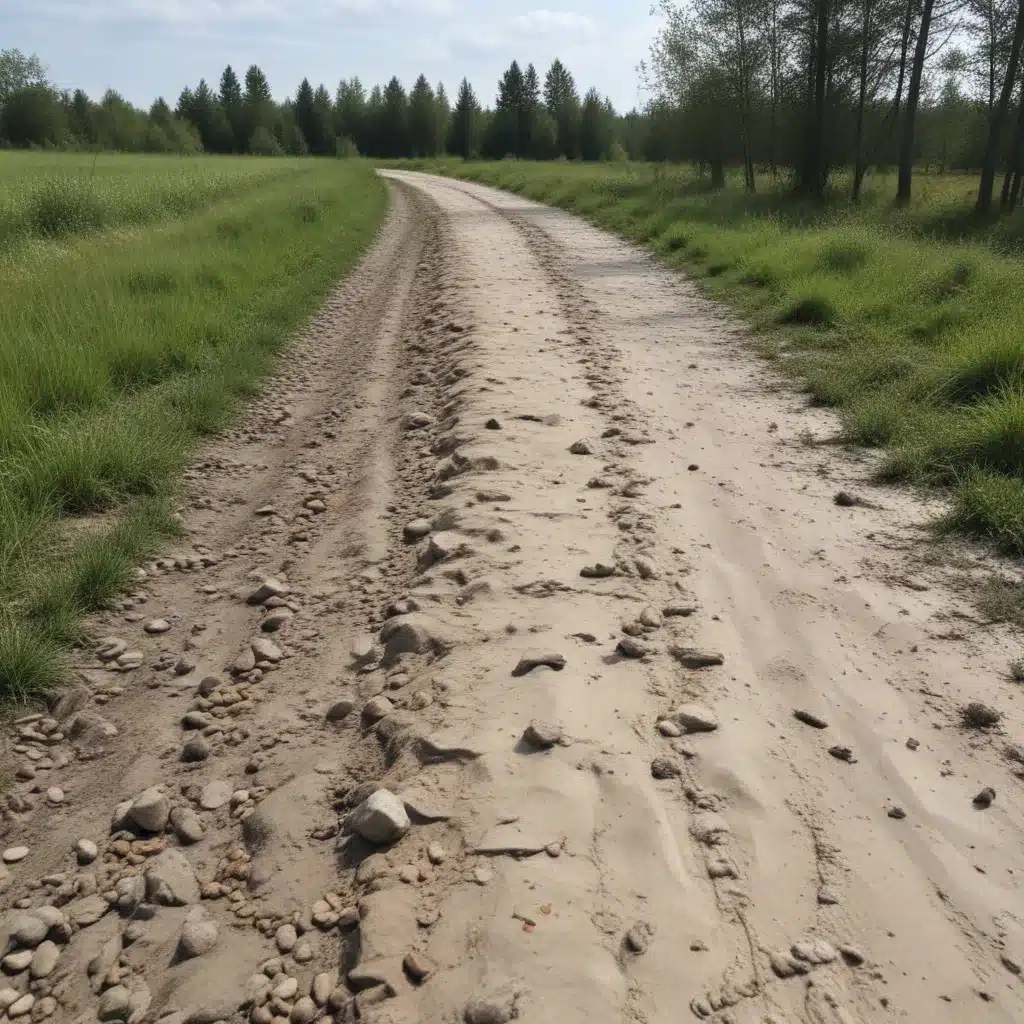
(305, 116)
(394, 121)
(350, 113)
(231, 102)
(422, 125)
(442, 115)
(322, 138)
(258, 114)
(595, 127)
(563, 104)
(464, 130)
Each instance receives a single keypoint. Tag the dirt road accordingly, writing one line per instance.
(517, 662)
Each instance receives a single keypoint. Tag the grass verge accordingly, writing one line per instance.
(121, 347)
(908, 321)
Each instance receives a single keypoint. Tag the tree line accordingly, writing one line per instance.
(805, 87)
(527, 120)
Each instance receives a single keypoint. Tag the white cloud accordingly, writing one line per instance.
(547, 23)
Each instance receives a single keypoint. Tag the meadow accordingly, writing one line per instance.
(142, 298)
(910, 321)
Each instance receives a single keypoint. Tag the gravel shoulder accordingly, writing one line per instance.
(518, 662)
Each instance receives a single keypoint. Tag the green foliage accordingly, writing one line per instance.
(119, 350)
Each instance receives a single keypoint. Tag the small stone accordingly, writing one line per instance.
(651, 618)
(185, 665)
(199, 934)
(495, 1007)
(695, 718)
(269, 588)
(303, 953)
(809, 718)
(897, 812)
(645, 568)
(1010, 964)
(187, 826)
(409, 874)
(669, 728)
(18, 961)
(245, 662)
(542, 735)
(827, 896)
(417, 529)
(285, 937)
(985, 797)
(418, 966)
(87, 910)
(841, 753)
(535, 659)
(150, 810)
(340, 710)
(286, 989)
(276, 619)
(55, 795)
(698, 946)
(584, 446)
(597, 571)
(553, 850)
(691, 657)
(381, 818)
(322, 987)
(421, 700)
(376, 709)
(417, 420)
(436, 853)
(304, 1011)
(492, 424)
(264, 650)
(157, 626)
(215, 794)
(630, 647)
(86, 851)
(8, 996)
(13, 854)
(483, 875)
(852, 955)
(196, 749)
(665, 768)
(913, 744)
(29, 930)
(21, 1006)
(114, 1004)
(170, 880)
(638, 938)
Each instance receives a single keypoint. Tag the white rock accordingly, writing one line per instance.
(286, 937)
(304, 1011)
(380, 818)
(265, 650)
(157, 626)
(170, 880)
(151, 810)
(695, 718)
(199, 934)
(8, 996)
(13, 854)
(21, 1006)
(86, 851)
(269, 588)
(29, 930)
(215, 794)
(287, 988)
(44, 960)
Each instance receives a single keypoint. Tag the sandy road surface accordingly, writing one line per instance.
(517, 493)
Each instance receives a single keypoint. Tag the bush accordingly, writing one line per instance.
(264, 143)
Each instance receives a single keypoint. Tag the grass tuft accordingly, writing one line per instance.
(810, 311)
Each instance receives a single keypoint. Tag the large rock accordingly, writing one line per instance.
(695, 718)
(151, 810)
(89, 729)
(267, 589)
(187, 826)
(44, 959)
(86, 911)
(170, 880)
(265, 650)
(381, 818)
(199, 934)
(411, 634)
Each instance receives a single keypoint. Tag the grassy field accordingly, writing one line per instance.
(911, 321)
(141, 298)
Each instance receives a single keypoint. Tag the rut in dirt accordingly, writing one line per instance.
(500, 676)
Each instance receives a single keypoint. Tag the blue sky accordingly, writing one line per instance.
(145, 48)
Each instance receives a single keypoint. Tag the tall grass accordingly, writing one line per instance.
(119, 349)
(906, 320)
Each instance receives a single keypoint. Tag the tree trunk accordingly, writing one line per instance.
(1013, 168)
(814, 158)
(858, 167)
(908, 24)
(748, 162)
(910, 115)
(995, 128)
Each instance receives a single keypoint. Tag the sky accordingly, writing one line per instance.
(147, 48)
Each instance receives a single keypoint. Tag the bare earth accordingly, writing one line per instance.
(638, 828)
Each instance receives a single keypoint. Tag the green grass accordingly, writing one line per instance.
(908, 321)
(128, 334)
